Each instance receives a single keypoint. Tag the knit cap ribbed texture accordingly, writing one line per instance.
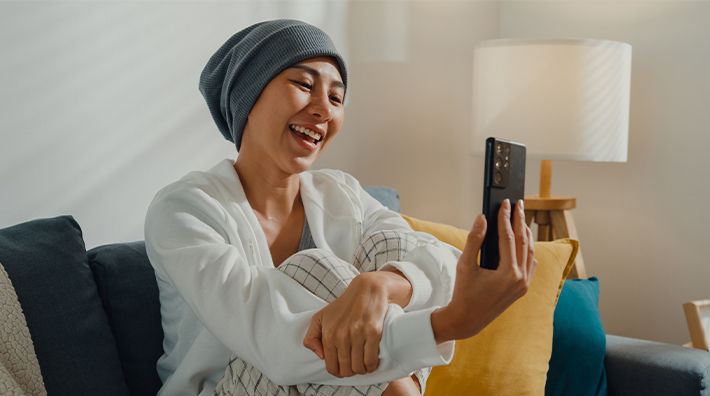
(235, 75)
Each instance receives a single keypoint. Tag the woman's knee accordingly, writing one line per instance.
(381, 247)
(319, 271)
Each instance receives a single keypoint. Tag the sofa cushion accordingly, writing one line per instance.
(509, 356)
(385, 195)
(578, 343)
(129, 293)
(46, 262)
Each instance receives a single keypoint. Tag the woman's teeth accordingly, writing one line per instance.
(313, 135)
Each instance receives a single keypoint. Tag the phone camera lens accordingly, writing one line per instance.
(499, 163)
(506, 164)
(499, 148)
(497, 177)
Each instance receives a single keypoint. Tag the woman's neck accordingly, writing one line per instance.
(272, 193)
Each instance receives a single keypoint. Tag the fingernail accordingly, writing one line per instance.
(507, 203)
(522, 206)
(478, 223)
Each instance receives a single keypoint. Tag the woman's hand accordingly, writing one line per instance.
(347, 332)
(480, 295)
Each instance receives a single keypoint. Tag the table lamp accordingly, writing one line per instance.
(564, 99)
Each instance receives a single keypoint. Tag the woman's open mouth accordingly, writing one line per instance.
(307, 137)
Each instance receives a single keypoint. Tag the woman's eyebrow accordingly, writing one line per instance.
(316, 74)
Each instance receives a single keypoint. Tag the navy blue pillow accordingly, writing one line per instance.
(129, 292)
(578, 342)
(46, 262)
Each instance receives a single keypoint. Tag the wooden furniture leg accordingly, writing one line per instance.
(695, 311)
(554, 220)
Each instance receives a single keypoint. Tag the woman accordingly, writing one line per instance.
(216, 239)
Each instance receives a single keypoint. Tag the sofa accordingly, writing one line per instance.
(94, 318)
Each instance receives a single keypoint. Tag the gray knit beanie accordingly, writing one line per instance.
(235, 75)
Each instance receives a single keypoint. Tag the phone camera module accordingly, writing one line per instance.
(499, 148)
(498, 177)
(499, 163)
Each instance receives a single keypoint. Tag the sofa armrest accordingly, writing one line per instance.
(639, 367)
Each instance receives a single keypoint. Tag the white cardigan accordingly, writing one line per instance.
(220, 292)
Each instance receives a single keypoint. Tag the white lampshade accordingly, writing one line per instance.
(562, 98)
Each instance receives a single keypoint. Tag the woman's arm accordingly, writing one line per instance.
(257, 312)
(349, 332)
(430, 267)
(480, 295)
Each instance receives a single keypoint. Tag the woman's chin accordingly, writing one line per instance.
(301, 164)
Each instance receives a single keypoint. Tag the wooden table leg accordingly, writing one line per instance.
(529, 216)
(544, 231)
(557, 224)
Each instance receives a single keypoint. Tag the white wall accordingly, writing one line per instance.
(644, 225)
(408, 121)
(99, 108)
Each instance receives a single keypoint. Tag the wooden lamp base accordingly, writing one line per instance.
(553, 216)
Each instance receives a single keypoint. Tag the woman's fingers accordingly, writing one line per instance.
(371, 352)
(312, 340)
(474, 240)
(506, 237)
(532, 262)
(344, 363)
(521, 237)
(357, 355)
(331, 356)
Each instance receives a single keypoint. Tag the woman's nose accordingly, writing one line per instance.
(320, 107)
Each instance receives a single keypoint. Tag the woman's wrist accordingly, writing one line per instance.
(399, 289)
(442, 325)
(392, 283)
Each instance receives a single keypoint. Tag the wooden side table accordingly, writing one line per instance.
(553, 216)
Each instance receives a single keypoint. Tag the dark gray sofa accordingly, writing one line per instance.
(94, 318)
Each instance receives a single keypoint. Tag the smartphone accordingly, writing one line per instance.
(504, 177)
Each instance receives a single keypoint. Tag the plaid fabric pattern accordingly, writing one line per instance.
(325, 275)
(380, 248)
(320, 272)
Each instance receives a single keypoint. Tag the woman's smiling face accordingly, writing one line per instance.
(297, 114)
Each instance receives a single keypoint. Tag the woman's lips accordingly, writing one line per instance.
(313, 132)
(303, 141)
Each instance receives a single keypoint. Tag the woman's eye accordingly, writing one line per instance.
(336, 99)
(304, 85)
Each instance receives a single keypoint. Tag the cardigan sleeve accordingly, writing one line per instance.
(430, 267)
(260, 313)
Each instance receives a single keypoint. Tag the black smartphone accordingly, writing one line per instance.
(504, 177)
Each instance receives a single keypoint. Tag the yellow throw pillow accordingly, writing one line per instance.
(509, 356)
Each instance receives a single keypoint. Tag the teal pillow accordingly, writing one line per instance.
(578, 342)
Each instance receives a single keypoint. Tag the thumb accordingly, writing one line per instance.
(312, 340)
(474, 240)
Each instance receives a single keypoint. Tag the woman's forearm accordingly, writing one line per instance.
(399, 291)
(396, 285)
